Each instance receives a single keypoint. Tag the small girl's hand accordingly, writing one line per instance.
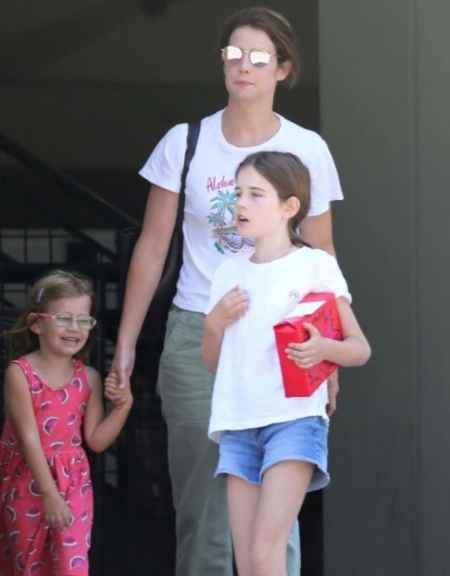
(57, 513)
(112, 379)
(230, 307)
(307, 354)
(119, 396)
(116, 394)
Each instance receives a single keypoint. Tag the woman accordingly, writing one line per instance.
(259, 51)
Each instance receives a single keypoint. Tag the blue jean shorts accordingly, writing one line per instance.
(249, 453)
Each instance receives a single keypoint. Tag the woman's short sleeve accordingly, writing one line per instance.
(163, 166)
(325, 184)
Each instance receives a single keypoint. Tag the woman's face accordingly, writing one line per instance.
(245, 81)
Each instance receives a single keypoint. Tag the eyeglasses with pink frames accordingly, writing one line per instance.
(66, 320)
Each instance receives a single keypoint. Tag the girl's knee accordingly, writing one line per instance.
(268, 557)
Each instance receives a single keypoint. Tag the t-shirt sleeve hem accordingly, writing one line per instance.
(157, 180)
(325, 206)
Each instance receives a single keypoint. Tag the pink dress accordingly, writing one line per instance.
(28, 546)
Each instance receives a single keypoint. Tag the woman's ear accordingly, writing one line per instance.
(33, 323)
(284, 70)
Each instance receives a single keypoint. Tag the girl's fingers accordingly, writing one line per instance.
(303, 359)
(111, 387)
(299, 355)
(240, 297)
(304, 365)
(301, 346)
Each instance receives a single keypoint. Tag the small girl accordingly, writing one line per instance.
(273, 449)
(46, 501)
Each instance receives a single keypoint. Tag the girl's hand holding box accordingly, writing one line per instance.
(316, 316)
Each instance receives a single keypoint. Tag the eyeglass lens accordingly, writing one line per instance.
(67, 320)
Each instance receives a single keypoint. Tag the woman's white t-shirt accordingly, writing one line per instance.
(248, 388)
(208, 227)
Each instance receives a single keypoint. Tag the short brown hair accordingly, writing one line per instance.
(290, 177)
(276, 26)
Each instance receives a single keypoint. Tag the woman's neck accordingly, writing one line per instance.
(245, 124)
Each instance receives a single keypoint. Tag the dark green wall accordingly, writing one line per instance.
(384, 93)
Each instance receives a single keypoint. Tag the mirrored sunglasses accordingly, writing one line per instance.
(66, 320)
(256, 56)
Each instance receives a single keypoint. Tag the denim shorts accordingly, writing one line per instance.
(249, 453)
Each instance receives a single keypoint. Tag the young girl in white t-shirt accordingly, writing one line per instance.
(273, 449)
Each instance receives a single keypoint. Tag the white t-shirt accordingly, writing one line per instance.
(208, 227)
(248, 389)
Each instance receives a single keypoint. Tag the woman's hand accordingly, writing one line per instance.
(57, 513)
(123, 365)
(307, 354)
(333, 391)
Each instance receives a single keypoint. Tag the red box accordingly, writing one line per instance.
(299, 381)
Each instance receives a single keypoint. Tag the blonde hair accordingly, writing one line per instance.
(52, 286)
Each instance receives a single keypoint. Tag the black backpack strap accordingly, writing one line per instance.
(191, 145)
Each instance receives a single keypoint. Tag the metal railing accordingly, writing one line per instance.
(26, 252)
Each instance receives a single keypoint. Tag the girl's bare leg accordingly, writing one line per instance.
(281, 497)
(243, 500)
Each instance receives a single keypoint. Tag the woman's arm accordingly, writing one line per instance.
(144, 273)
(100, 431)
(318, 231)
(20, 410)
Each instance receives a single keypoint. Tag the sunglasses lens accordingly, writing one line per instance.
(232, 53)
(259, 57)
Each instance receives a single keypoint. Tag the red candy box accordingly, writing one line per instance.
(319, 309)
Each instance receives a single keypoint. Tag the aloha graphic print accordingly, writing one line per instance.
(221, 217)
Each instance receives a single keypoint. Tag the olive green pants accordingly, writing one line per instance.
(202, 531)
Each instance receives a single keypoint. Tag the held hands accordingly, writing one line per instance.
(123, 364)
(118, 394)
(313, 351)
(57, 513)
(229, 308)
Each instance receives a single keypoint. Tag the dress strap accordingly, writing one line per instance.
(32, 379)
(79, 371)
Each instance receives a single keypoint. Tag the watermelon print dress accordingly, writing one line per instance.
(28, 546)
